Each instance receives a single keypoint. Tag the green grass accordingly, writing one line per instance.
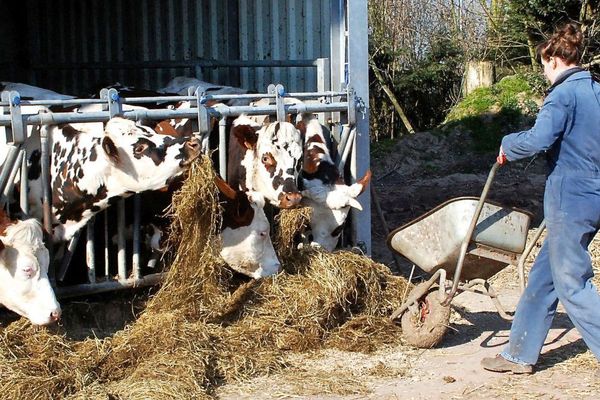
(490, 113)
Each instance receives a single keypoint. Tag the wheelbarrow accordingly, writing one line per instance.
(468, 238)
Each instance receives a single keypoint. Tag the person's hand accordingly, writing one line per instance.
(501, 159)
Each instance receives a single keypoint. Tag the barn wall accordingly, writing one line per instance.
(74, 45)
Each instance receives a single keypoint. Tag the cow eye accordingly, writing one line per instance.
(140, 148)
(266, 160)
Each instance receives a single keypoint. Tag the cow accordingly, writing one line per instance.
(24, 285)
(28, 92)
(265, 159)
(181, 85)
(90, 168)
(246, 242)
(246, 245)
(324, 189)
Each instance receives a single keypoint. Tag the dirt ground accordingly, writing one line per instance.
(421, 172)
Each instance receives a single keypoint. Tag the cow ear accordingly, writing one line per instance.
(301, 126)
(165, 128)
(225, 188)
(4, 221)
(110, 149)
(246, 135)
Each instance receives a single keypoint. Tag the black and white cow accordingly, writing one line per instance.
(24, 285)
(90, 168)
(324, 189)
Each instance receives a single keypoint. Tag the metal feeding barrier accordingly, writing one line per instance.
(15, 120)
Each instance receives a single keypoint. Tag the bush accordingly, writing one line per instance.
(490, 113)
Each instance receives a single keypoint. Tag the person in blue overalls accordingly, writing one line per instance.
(567, 128)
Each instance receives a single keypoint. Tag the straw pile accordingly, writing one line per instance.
(207, 326)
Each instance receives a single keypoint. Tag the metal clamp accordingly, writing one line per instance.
(280, 102)
(113, 101)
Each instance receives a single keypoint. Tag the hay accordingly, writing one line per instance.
(206, 327)
(290, 223)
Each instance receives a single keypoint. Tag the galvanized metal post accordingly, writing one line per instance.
(223, 147)
(8, 189)
(90, 252)
(358, 80)
(324, 84)
(135, 262)
(115, 108)
(23, 192)
(279, 102)
(47, 199)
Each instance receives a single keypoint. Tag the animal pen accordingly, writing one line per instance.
(307, 49)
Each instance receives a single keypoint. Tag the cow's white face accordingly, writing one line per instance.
(247, 246)
(326, 224)
(24, 285)
(142, 160)
(272, 160)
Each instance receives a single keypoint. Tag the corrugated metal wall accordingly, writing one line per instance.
(75, 45)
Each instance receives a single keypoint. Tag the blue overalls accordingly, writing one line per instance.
(568, 128)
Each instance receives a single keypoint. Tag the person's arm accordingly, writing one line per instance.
(550, 124)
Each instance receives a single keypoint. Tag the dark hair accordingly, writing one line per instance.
(565, 43)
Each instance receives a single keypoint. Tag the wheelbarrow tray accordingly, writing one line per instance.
(433, 240)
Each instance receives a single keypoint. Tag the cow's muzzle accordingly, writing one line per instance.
(191, 150)
(290, 199)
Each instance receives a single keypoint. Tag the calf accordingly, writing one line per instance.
(92, 168)
(324, 188)
(265, 159)
(24, 285)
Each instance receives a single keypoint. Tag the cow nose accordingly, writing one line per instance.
(290, 199)
(55, 315)
(193, 145)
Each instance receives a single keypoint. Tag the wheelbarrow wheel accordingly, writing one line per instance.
(425, 327)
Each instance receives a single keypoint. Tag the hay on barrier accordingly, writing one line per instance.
(206, 325)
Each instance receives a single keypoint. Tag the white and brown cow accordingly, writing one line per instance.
(266, 159)
(246, 241)
(324, 188)
(92, 168)
(24, 285)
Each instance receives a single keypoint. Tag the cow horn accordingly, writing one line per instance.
(224, 188)
(364, 181)
(352, 202)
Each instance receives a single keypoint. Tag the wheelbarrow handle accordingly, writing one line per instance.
(469, 235)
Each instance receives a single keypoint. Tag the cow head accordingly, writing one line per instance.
(90, 167)
(140, 159)
(271, 162)
(247, 246)
(24, 285)
(324, 189)
(331, 205)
